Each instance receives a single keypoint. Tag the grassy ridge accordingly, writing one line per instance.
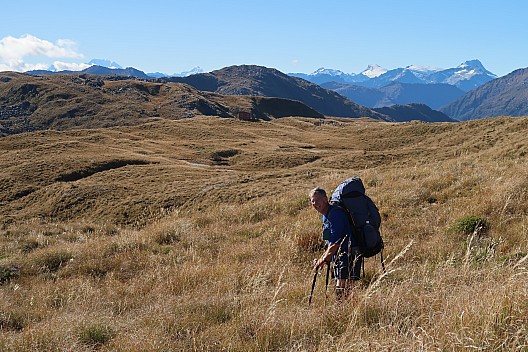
(217, 257)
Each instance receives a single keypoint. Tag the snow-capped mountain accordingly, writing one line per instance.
(192, 71)
(323, 75)
(329, 72)
(504, 96)
(466, 76)
(114, 65)
(423, 71)
(373, 71)
(104, 63)
(69, 66)
(401, 75)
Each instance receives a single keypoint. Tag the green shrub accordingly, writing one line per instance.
(8, 272)
(470, 224)
(95, 335)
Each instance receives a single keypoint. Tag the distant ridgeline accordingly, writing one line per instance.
(402, 98)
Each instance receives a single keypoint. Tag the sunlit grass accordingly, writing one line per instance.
(230, 270)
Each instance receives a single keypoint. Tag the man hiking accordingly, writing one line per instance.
(337, 232)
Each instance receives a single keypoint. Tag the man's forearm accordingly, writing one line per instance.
(329, 253)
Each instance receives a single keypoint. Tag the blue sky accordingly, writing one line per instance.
(291, 36)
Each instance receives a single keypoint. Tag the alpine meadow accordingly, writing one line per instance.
(198, 235)
(263, 176)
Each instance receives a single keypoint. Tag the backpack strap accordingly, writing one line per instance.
(345, 210)
(354, 234)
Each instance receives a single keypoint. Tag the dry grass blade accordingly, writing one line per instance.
(389, 269)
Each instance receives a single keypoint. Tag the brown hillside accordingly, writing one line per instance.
(125, 174)
(61, 102)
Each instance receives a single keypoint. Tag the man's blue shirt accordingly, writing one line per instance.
(337, 225)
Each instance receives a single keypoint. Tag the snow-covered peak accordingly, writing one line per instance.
(462, 74)
(471, 63)
(327, 71)
(192, 71)
(473, 67)
(373, 71)
(423, 69)
(104, 63)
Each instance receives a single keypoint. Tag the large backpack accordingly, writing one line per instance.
(364, 215)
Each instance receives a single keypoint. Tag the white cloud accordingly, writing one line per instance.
(20, 66)
(14, 51)
(70, 66)
(67, 43)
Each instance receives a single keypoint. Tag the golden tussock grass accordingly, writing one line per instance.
(217, 258)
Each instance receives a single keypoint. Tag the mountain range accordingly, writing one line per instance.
(504, 96)
(374, 87)
(83, 100)
(434, 95)
(98, 70)
(99, 64)
(466, 76)
(263, 81)
(500, 96)
(378, 87)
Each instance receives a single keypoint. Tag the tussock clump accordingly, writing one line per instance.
(471, 224)
(296, 204)
(309, 242)
(8, 272)
(29, 244)
(95, 335)
(171, 232)
(12, 320)
(52, 260)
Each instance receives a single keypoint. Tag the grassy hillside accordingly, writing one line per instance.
(75, 101)
(197, 235)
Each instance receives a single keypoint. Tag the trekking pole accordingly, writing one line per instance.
(381, 254)
(382, 261)
(313, 286)
(326, 285)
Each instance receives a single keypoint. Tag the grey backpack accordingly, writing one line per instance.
(364, 215)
